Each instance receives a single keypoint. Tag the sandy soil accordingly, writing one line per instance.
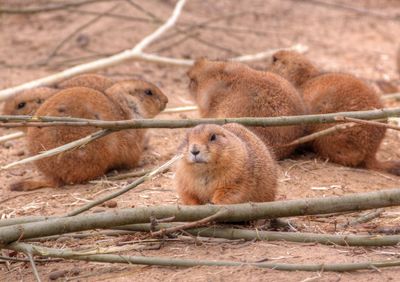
(339, 39)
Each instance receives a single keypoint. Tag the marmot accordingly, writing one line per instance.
(225, 165)
(124, 100)
(90, 80)
(228, 89)
(28, 101)
(336, 92)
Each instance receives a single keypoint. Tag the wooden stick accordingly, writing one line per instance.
(171, 229)
(83, 141)
(34, 269)
(364, 218)
(180, 109)
(46, 121)
(369, 122)
(14, 135)
(238, 212)
(299, 237)
(166, 261)
(319, 134)
(128, 187)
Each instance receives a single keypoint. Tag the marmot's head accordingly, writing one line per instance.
(28, 101)
(142, 97)
(293, 66)
(209, 145)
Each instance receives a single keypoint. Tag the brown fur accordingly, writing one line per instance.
(28, 101)
(124, 100)
(337, 92)
(227, 89)
(236, 167)
(90, 80)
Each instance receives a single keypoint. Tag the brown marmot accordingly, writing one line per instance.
(124, 100)
(336, 92)
(28, 101)
(225, 165)
(228, 89)
(90, 80)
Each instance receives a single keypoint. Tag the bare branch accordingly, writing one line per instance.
(237, 212)
(47, 8)
(63, 148)
(166, 261)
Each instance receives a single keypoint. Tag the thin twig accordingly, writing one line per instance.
(47, 8)
(80, 142)
(369, 122)
(395, 96)
(198, 223)
(69, 254)
(34, 269)
(14, 135)
(364, 218)
(180, 109)
(120, 176)
(318, 134)
(128, 187)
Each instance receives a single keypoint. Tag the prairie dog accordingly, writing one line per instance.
(225, 165)
(228, 89)
(28, 101)
(337, 92)
(124, 100)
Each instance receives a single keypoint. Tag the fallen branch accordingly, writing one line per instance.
(136, 53)
(47, 121)
(110, 126)
(166, 261)
(299, 237)
(171, 229)
(235, 213)
(128, 187)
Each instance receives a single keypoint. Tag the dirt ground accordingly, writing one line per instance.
(362, 42)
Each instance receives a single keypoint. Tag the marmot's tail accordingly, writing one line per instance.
(29, 185)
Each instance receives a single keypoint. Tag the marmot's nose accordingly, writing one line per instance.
(194, 150)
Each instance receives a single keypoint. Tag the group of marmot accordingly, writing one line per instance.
(221, 164)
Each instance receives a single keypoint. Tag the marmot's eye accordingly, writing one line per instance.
(148, 92)
(274, 59)
(213, 137)
(21, 105)
(39, 101)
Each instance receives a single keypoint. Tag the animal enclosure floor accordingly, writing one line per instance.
(339, 39)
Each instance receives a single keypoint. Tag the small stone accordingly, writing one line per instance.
(111, 204)
(57, 274)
